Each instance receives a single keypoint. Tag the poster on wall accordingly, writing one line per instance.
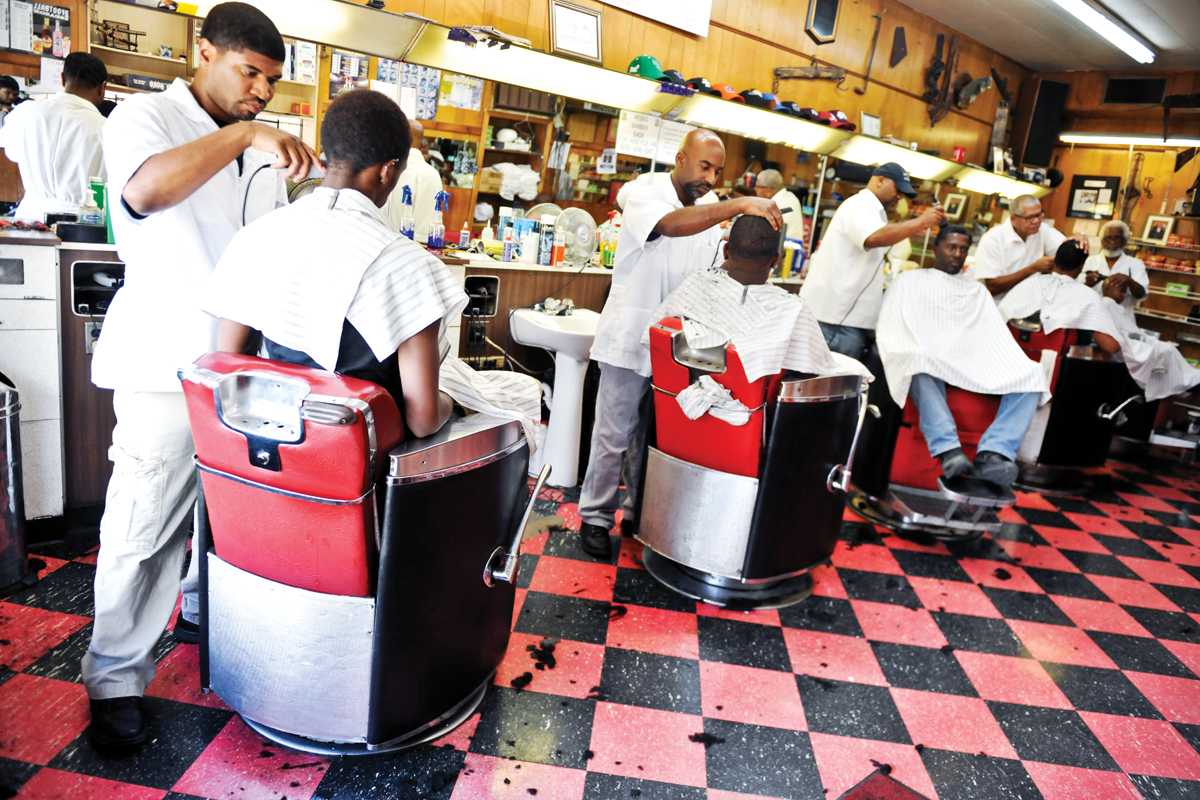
(51, 35)
(460, 91)
(426, 84)
(637, 134)
(3, 24)
(687, 15)
(1093, 196)
(20, 25)
(347, 71)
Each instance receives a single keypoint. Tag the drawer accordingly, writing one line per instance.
(42, 468)
(27, 271)
(28, 315)
(30, 359)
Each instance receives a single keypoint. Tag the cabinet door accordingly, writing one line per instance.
(42, 468)
(28, 271)
(30, 359)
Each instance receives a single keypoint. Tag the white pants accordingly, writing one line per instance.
(618, 438)
(142, 542)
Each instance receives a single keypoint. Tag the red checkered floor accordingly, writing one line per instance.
(1060, 659)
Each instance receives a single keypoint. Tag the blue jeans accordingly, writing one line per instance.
(847, 340)
(1003, 436)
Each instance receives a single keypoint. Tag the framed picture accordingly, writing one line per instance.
(1093, 196)
(870, 124)
(1158, 229)
(956, 204)
(575, 31)
(821, 22)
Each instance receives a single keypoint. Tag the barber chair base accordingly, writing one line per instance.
(435, 730)
(727, 592)
(1057, 481)
(960, 511)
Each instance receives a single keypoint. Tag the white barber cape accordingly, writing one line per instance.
(56, 146)
(1061, 302)
(947, 326)
(771, 329)
(297, 274)
(647, 270)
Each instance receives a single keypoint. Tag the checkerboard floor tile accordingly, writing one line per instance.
(1059, 659)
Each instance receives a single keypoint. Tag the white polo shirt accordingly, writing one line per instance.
(154, 325)
(425, 182)
(646, 270)
(56, 145)
(1126, 265)
(793, 220)
(844, 282)
(1001, 251)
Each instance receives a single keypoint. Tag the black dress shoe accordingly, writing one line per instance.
(186, 632)
(629, 526)
(596, 541)
(117, 724)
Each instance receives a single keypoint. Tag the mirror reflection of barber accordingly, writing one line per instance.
(844, 284)
(423, 181)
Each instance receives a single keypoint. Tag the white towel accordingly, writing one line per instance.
(706, 396)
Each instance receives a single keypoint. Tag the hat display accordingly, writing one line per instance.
(812, 115)
(727, 92)
(837, 119)
(898, 176)
(673, 76)
(772, 100)
(704, 86)
(789, 108)
(646, 67)
(753, 97)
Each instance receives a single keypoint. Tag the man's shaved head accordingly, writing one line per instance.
(698, 165)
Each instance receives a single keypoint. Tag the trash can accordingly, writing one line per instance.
(14, 566)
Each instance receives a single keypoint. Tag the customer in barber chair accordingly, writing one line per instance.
(771, 329)
(938, 327)
(1059, 300)
(328, 283)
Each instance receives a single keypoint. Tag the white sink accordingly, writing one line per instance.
(570, 335)
(570, 339)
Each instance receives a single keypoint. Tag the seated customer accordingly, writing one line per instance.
(938, 327)
(771, 329)
(329, 284)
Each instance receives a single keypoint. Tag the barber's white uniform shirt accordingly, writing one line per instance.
(844, 282)
(1126, 265)
(647, 271)
(948, 326)
(426, 183)
(56, 145)
(155, 325)
(793, 221)
(1002, 252)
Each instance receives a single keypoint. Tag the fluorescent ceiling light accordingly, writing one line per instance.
(989, 183)
(755, 123)
(1134, 139)
(1117, 34)
(870, 152)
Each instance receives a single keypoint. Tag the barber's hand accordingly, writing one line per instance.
(1092, 277)
(1085, 244)
(1115, 288)
(932, 216)
(1044, 265)
(292, 155)
(761, 207)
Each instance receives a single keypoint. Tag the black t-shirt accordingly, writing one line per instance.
(355, 360)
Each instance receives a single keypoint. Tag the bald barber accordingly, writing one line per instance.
(769, 184)
(671, 229)
(1021, 246)
(423, 181)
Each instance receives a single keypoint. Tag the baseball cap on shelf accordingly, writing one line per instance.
(812, 115)
(789, 108)
(753, 97)
(646, 67)
(772, 100)
(704, 86)
(837, 119)
(727, 92)
(673, 76)
(898, 176)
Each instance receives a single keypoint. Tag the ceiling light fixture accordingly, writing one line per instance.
(1115, 32)
(1129, 139)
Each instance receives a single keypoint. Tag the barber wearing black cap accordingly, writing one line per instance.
(844, 283)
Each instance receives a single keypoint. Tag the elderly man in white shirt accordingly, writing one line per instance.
(671, 229)
(769, 184)
(423, 182)
(844, 282)
(56, 143)
(1021, 246)
(174, 165)
(1112, 264)
(937, 328)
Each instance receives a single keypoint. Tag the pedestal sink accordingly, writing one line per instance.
(570, 339)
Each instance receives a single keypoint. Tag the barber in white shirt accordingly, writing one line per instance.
(176, 188)
(671, 229)
(423, 181)
(1127, 274)
(1021, 246)
(844, 283)
(769, 184)
(56, 143)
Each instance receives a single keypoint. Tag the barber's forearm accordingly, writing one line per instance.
(895, 232)
(169, 178)
(1137, 290)
(691, 220)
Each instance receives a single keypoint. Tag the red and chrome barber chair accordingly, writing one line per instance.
(351, 602)
(1092, 394)
(899, 485)
(737, 515)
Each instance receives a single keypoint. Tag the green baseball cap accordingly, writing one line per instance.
(646, 67)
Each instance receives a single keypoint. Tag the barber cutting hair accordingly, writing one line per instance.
(671, 229)
(176, 179)
(1021, 246)
(769, 184)
(1115, 273)
(844, 285)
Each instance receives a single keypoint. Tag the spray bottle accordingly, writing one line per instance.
(436, 239)
(407, 218)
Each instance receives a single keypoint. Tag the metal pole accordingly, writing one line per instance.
(812, 231)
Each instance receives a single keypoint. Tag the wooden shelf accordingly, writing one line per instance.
(1191, 274)
(1157, 246)
(1158, 291)
(1177, 318)
(133, 53)
(520, 116)
(506, 151)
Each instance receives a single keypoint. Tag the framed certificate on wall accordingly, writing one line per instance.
(575, 31)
